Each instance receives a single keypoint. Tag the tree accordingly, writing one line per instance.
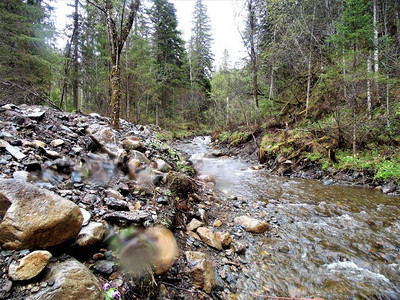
(25, 69)
(117, 37)
(75, 38)
(201, 56)
(169, 53)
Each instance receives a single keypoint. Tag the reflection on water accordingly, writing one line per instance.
(331, 242)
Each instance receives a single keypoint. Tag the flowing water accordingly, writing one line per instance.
(330, 242)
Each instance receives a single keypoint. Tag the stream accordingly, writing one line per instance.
(330, 242)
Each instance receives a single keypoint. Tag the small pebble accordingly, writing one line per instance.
(98, 256)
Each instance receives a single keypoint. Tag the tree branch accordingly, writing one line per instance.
(96, 4)
(128, 24)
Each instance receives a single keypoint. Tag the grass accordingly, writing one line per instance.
(234, 138)
(384, 168)
(383, 163)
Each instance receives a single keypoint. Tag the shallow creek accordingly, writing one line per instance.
(330, 242)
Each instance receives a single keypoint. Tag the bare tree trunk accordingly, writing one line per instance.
(387, 75)
(310, 62)
(228, 119)
(271, 84)
(344, 76)
(252, 23)
(157, 114)
(354, 129)
(387, 103)
(376, 49)
(127, 84)
(115, 82)
(75, 83)
(369, 71)
(397, 21)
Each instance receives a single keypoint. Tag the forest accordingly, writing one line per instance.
(319, 82)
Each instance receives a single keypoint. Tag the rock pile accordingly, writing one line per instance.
(68, 182)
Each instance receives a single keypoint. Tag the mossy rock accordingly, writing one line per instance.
(181, 185)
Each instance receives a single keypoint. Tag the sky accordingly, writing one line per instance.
(225, 18)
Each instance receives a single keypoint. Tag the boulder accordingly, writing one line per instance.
(5, 288)
(388, 188)
(57, 142)
(102, 134)
(166, 248)
(202, 275)
(30, 266)
(35, 218)
(217, 223)
(38, 143)
(114, 194)
(127, 217)
(162, 166)
(208, 237)
(193, 225)
(252, 225)
(193, 257)
(72, 280)
(86, 216)
(90, 235)
(207, 178)
(224, 237)
(238, 247)
(139, 156)
(133, 166)
(132, 144)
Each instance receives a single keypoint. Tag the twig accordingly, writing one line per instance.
(178, 288)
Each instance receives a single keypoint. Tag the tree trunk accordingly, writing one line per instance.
(157, 114)
(376, 49)
(253, 57)
(369, 71)
(228, 119)
(116, 42)
(115, 82)
(127, 84)
(75, 82)
(310, 62)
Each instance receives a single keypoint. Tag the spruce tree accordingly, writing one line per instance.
(169, 52)
(25, 71)
(201, 56)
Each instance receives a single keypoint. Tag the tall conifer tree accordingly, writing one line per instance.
(201, 56)
(24, 56)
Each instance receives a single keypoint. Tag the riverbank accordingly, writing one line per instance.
(297, 154)
(81, 201)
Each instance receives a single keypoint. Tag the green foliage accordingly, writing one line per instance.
(201, 56)
(234, 138)
(24, 54)
(383, 168)
(388, 170)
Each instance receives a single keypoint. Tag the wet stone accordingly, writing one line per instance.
(389, 188)
(116, 204)
(127, 217)
(5, 287)
(105, 266)
(162, 200)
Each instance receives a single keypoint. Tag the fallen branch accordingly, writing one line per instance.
(33, 93)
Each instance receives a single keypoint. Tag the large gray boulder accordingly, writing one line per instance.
(35, 218)
(72, 280)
